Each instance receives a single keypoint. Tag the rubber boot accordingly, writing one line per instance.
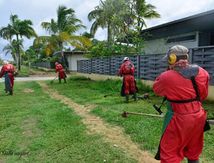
(127, 98)
(135, 97)
(193, 161)
(59, 81)
(65, 80)
(11, 92)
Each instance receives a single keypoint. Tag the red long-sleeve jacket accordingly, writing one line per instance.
(184, 122)
(59, 68)
(10, 69)
(174, 86)
(127, 71)
(7, 68)
(127, 68)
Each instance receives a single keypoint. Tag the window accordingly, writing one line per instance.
(181, 38)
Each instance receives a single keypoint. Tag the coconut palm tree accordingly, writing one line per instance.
(102, 17)
(121, 16)
(62, 31)
(140, 11)
(12, 49)
(17, 29)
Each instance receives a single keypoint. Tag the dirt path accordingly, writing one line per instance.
(111, 134)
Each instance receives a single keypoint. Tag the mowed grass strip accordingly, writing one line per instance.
(36, 128)
(144, 130)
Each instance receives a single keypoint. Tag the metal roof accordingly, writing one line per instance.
(70, 52)
(200, 22)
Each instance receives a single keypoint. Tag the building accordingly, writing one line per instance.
(70, 58)
(193, 32)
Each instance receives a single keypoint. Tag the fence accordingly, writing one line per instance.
(204, 57)
(148, 67)
(42, 64)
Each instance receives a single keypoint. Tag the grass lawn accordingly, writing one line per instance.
(144, 130)
(26, 71)
(36, 128)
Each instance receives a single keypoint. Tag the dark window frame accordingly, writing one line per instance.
(181, 38)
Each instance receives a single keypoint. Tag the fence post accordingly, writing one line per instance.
(109, 66)
(191, 51)
(138, 66)
(91, 65)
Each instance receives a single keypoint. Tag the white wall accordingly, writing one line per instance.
(72, 60)
(160, 46)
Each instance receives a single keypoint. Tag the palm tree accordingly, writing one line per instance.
(140, 11)
(30, 55)
(102, 18)
(12, 49)
(17, 28)
(121, 16)
(62, 32)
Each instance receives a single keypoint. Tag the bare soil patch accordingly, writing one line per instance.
(27, 90)
(98, 76)
(27, 126)
(29, 131)
(95, 125)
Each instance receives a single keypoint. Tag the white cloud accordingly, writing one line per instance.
(173, 10)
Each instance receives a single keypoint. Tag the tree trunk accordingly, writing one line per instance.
(109, 34)
(18, 53)
(19, 61)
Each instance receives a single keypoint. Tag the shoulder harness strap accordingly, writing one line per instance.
(197, 98)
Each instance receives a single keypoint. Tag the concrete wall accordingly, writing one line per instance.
(160, 46)
(72, 61)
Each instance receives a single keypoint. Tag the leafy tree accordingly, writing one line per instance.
(30, 55)
(106, 16)
(103, 49)
(124, 20)
(17, 29)
(62, 32)
(140, 10)
(133, 21)
(12, 49)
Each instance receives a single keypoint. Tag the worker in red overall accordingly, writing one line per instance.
(8, 71)
(61, 72)
(185, 86)
(127, 71)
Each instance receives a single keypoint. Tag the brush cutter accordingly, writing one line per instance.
(158, 109)
(211, 121)
(109, 95)
(145, 96)
(53, 80)
(125, 114)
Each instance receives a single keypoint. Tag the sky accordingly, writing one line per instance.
(43, 10)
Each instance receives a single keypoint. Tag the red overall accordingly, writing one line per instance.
(127, 71)
(8, 68)
(183, 135)
(61, 71)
